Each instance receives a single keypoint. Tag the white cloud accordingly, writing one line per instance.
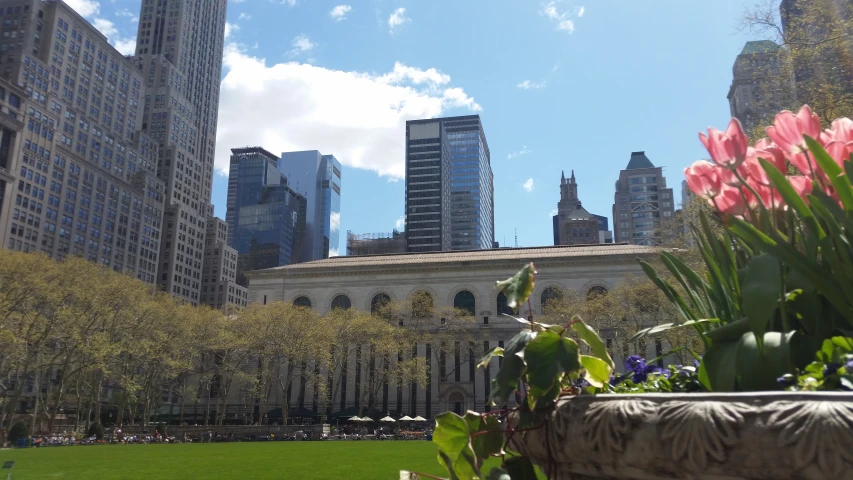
(400, 224)
(531, 85)
(397, 19)
(581, 12)
(86, 8)
(528, 185)
(302, 44)
(333, 252)
(125, 46)
(403, 74)
(560, 17)
(340, 12)
(230, 28)
(556, 66)
(553, 212)
(335, 221)
(125, 13)
(524, 151)
(357, 116)
(289, 3)
(244, 16)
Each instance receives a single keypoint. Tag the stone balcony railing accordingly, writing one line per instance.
(695, 436)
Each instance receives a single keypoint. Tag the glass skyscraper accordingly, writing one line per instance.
(317, 177)
(266, 218)
(471, 220)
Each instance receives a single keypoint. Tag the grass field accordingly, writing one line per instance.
(374, 460)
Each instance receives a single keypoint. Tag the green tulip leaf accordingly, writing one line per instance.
(518, 287)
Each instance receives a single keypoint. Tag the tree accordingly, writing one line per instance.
(815, 40)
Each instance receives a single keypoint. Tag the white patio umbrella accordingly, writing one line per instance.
(354, 419)
(406, 419)
(387, 419)
(419, 419)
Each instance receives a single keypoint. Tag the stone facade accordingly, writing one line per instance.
(575, 225)
(219, 288)
(445, 276)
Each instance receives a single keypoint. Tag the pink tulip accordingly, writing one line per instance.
(730, 201)
(839, 151)
(788, 130)
(727, 149)
(801, 184)
(841, 130)
(772, 153)
(704, 179)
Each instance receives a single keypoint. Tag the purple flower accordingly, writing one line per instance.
(637, 365)
(849, 367)
(786, 380)
(696, 363)
(831, 369)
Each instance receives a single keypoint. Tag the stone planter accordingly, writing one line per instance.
(695, 436)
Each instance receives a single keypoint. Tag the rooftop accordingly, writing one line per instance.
(760, 46)
(497, 255)
(639, 160)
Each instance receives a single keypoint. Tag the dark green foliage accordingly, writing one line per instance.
(96, 430)
(18, 430)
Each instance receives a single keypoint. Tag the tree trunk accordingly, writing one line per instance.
(37, 386)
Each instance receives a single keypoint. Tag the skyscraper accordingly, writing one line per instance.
(219, 288)
(70, 144)
(640, 201)
(574, 224)
(266, 218)
(179, 55)
(471, 208)
(427, 186)
(317, 177)
(759, 87)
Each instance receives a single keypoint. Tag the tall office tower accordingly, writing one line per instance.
(317, 177)
(266, 218)
(574, 224)
(427, 186)
(179, 55)
(83, 175)
(472, 191)
(219, 288)
(640, 201)
(759, 88)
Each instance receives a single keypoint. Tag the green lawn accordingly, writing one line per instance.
(374, 460)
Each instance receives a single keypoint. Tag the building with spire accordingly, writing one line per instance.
(640, 202)
(574, 225)
(759, 89)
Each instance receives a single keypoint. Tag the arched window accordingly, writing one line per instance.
(574, 232)
(341, 302)
(502, 306)
(302, 302)
(422, 305)
(549, 295)
(464, 300)
(596, 291)
(587, 231)
(379, 302)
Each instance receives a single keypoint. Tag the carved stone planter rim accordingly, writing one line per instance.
(748, 435)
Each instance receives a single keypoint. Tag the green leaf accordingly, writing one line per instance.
(518, 287)
(761, 293)
(520, 468)
(730, 332)
(591, 338)
(452, 436)
(568, 356)
(484, 444)
(498, 474)
(792, 198)
(506, 381)
(495, 352)
(540, 355)
(719, 365)
(665, 327)
(518, 342)
(597, 370)
(758, 368)
(836, 175)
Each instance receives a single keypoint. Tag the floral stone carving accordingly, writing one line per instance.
(695, 436)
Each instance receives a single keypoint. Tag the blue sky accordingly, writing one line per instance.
(561, 85)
